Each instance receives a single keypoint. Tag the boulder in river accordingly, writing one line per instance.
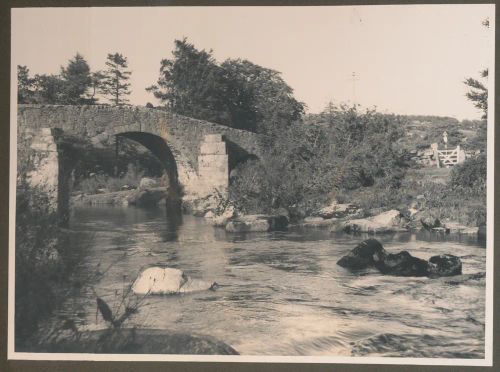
(167, 280)
(388, 221)
(445, 265)
(257, 223)
(403, 264)
(366, 254)
(370, 253)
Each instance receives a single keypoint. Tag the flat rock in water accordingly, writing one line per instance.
(389, 221)
(167, 280)
(335, 210)
(137, 341)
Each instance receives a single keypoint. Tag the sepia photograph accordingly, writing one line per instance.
(309, 184)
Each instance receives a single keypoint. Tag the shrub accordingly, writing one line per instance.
(470, 176)
(305, 165)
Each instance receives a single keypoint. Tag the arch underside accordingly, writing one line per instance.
(160, 149)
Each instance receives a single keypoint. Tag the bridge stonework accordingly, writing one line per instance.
(196, 154)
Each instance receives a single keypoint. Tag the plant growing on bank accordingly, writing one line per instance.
(115, 79)
(305, 166)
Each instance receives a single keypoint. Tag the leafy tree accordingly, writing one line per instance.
(478, 93)
(236, 93)
(261, 96)
(25, 85)
(49, 89)
(191, 84)
(115, 78)
(77, 81)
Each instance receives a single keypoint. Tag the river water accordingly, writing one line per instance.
(282, 293)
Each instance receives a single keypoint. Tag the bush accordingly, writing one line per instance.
(306, 165)
(92, 184)
(470, 176)
(45, 262)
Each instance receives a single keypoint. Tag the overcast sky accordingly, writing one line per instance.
(407, 59)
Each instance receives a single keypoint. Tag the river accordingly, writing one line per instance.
(282, 293)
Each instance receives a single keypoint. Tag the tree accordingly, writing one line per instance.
(192, 84)
(478, 93)
(25, 85)
(262, 99)
(50, 90)
(77, 81)
(115, 78)
(236, 93)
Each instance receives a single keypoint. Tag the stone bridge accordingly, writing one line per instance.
(197, 155)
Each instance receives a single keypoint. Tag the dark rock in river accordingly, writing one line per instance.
(403, 264)
(445, 265)
(370, 253)
(366, 254)
(136, 341)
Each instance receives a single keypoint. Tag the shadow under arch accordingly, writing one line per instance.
(160, 149)
(237, 155)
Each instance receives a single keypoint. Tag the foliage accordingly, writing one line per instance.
(71, 87)
(470, 176)
(261, 100)
(46, 265)
(91, 184)
(191, 84)
(25, 85)
(114, 83)
(236, 93)
(305, 165)
(77, 81)
(478, 93)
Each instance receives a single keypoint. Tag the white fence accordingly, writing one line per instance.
(449, 158)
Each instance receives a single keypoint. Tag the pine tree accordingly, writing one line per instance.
(115, 83)
(77, 81)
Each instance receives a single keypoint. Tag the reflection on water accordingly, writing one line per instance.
(282, 293)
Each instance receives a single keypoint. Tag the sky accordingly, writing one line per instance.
(408, 59)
